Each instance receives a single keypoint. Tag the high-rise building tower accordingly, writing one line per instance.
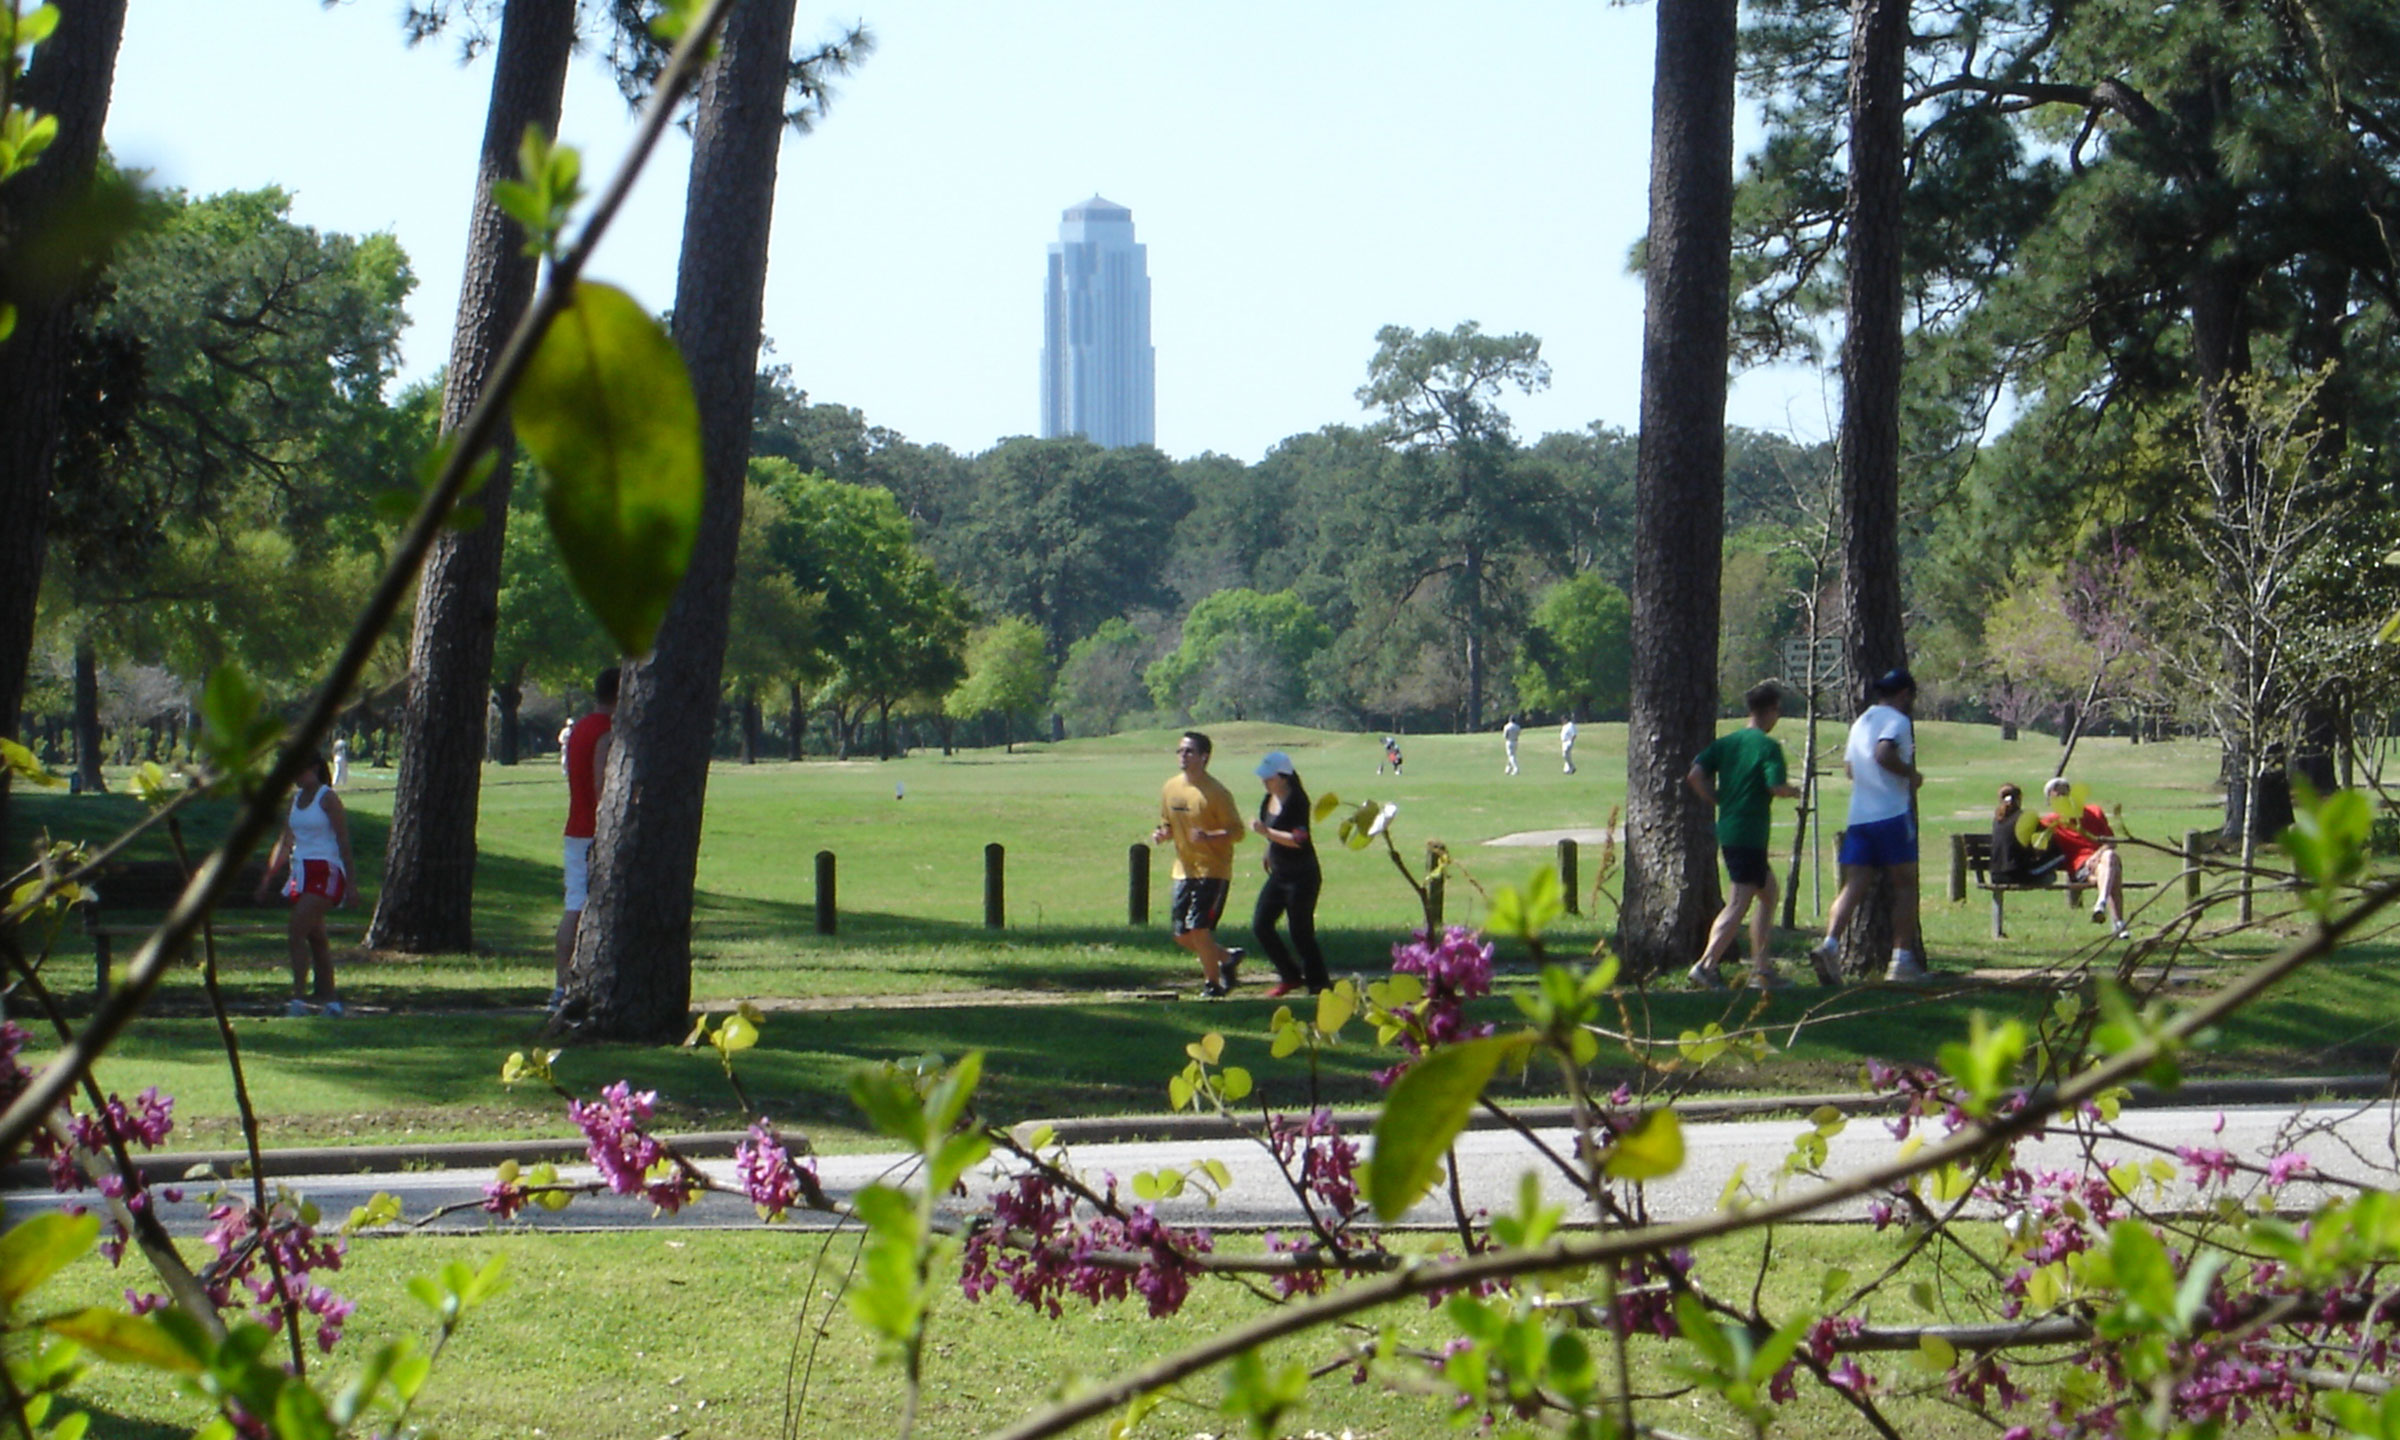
(1098, 371)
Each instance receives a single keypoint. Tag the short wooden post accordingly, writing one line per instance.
(995, 887)
(1958, 869)
(1433, 892)
(1568, 878)
(825, 913)
(1137, 885)
(2191, 864)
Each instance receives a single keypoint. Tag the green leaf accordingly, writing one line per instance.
(1422, 1115)
(234, 726)
(36, 1249)
(1652, 1150)
(300, 1415)
(607, 409)
(126, 1339)
(891, 1103)
(1524, 914)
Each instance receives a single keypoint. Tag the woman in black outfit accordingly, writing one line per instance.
(1292, 879)
(2012, 862)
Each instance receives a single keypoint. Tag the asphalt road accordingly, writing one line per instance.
(2358, 1142)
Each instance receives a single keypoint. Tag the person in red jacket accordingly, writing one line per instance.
(2089, 848)
(586, 758)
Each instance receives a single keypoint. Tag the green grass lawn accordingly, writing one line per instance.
(693, 1333)
(422, 1058)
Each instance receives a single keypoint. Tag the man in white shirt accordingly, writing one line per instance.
(1566, 745)
(1881, 759)
(1508, 737)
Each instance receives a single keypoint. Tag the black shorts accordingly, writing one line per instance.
(1747, 865)
(1198, 905)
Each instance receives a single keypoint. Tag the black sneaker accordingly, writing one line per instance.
(1213, 990)
(1232, 967)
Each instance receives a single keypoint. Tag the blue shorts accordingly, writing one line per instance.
(1881, 843)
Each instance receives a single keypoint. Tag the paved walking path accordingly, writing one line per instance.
(2349, 1141)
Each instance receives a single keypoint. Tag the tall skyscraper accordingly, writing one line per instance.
(1098, 371)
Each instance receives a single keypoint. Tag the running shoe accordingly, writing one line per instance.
(1705, 976)
(1825, 957)
(1906, 969)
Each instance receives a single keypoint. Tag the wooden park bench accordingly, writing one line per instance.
(124, 888)
(1971, 856)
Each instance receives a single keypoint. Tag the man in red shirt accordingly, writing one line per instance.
(2085, 842)
(586, 760)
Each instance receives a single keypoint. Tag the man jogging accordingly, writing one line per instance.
(1881, 759)
(1741, 774)
(1198, 814)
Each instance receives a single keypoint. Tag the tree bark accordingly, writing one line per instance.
(799, 735)
(1679, 504)
(1869, 443)
(70, 79)
(427, 901)
(632, 975)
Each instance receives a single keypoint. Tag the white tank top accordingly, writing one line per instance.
(312, 830)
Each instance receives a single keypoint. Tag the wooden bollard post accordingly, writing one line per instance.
(995, 887)
(1433, 893)
(1569, 874)
(2191, 864)
(1958, 868)
(1137, 885)
(825, 913)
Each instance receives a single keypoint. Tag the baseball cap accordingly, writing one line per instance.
(1895, 680)
(1276, 763)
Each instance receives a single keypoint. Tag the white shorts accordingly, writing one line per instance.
(579, 872)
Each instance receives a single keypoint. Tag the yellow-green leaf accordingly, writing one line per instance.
(1335, 1007)
(125, 1339)
(607, 409)
(36, 1249)
(22, 762)
(1652, 1150)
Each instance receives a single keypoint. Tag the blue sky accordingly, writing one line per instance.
(1301, 174)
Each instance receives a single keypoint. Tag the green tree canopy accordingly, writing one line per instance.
(1578, 655)
(1008, 675)
(1243, 656)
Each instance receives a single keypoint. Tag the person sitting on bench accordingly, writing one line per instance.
(2015, 862)
(2089, 848)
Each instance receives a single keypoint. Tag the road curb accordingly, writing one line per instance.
(1117, 1129)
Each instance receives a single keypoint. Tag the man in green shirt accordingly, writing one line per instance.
(1741, 774)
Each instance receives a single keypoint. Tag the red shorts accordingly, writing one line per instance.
(317, 877)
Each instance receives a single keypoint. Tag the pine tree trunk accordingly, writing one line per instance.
(70, 79)
(427, 900)
(1679, 505)
(1869, 442)
(632, 975)
(87, 719)
(799, 722)
(510, 697)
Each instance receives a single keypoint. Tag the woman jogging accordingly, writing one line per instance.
(316, 842)
(1292, 882)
